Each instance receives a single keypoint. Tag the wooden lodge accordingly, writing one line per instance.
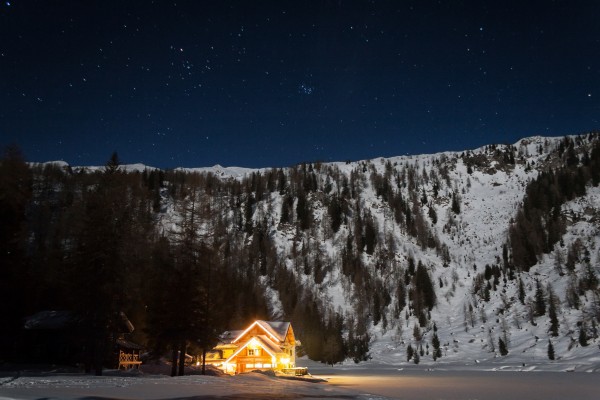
(264, 345)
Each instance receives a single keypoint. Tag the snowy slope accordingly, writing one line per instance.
(490, 198)
(491, 191)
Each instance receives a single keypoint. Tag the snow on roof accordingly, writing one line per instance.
(49, 319)
(276, 328)
(229, 336)
(268, 344)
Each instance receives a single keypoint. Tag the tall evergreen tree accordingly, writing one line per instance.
(333, 345)
(455, 206)
(99, 263)
(550, 350)
(552, 300)
(540, 299)
(424, 286)
(409, 353)
(502, 347)
(521, 291)
(435, 343)
(335, 213)
(15, 195)
(583, 336)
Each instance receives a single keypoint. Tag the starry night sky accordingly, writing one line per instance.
(274, 83)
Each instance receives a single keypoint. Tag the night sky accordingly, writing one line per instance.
(274, 83)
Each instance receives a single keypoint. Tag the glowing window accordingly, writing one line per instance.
(254, 352)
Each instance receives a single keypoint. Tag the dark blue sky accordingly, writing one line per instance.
(274, 83)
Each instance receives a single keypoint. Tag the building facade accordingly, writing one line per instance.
(264, 345)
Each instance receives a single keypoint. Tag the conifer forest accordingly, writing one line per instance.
(419, 250)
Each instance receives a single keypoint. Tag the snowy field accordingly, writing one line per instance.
(121, 386)
(414, 382)
(364, 381)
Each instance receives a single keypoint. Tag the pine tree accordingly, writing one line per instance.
(583, 337)
(455, 203)
(101, 260)
(285, 210)
(424, 286)
(333, 346)
(502, 347)
(417, 333)
(113, 163)
(521, 291)
(590, 279)
(554, 324)
(335, 213)
(15, 195)
(540, 301)
(409, 352)
(370, 235)
(550, 350)
(303, 211)
(432, 214)
(486, 292)
(435, 342)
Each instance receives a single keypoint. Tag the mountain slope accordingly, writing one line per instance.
(455, 247)
(368, 258)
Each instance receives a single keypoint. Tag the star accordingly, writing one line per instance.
(243, 70)
(303, 88)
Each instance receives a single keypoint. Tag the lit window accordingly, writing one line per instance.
(259, 365)
(267, 366)
(253, 352)
(249, 365)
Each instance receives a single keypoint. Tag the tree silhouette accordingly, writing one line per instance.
(550, 350)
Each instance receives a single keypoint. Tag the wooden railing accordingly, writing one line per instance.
(129, 360)
(298, 371)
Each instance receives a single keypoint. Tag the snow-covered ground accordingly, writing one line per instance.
(349, 381)
(126, 386)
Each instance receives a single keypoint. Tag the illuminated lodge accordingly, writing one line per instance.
(264, 345)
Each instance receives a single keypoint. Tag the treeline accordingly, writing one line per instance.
(186, 256)
(540, 223)
(89, 244)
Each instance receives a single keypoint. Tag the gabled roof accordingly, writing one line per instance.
(50, 320)
(263, 341)
(274, 329)
(229, 336)
(277, 327)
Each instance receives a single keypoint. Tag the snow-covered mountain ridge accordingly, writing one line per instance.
(340, 249)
